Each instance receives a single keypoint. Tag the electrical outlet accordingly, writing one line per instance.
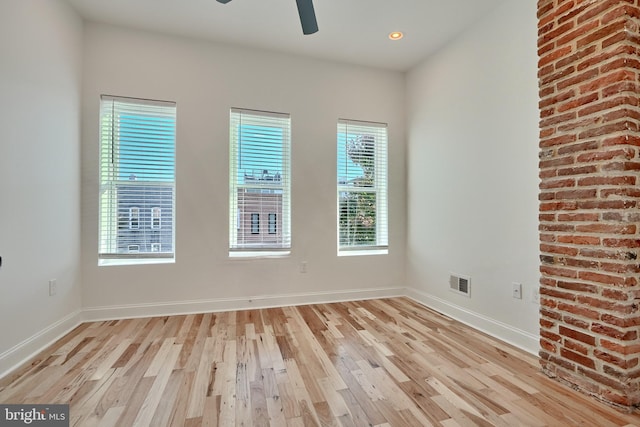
(53, 287)
(516, 290)
(303, 267)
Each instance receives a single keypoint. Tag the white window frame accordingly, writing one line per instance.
(380, 186)
(159, 116)
(239, 117)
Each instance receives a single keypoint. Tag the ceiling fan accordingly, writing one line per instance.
(307, 15)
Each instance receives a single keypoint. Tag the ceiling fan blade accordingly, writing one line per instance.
(307, 16)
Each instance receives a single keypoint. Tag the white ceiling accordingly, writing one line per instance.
(353, 31)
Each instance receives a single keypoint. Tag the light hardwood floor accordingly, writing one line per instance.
(388, 362)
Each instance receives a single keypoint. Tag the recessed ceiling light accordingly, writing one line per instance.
(396, 35)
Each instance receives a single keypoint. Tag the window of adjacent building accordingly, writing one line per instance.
(259, 182)
(273, 227)
(134, 218)
(137, 179)
(156, 215)
(362, 187)
(255, 223)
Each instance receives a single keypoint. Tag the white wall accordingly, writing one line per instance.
(473, 176)
(40, 82)
(205, 80)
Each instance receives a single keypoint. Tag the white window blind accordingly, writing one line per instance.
(137, 178)
(259, 182)
(362, 186)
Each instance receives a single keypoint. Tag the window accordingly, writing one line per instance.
(134, 218)
(156, 215)
(362, 187)
(272, 223)
(137, 179)
(255, 223)
(259, 182)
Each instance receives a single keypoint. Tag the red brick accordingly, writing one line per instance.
(577, 79)
(560, 183)
(560, 272)
(576, 194)
(576, 335)
(579, 102)
(614, 333)
(619, 88)
(626, 11)
(621, 166)
(567, 38)
(572, 345)
(626, 322)
(604, 81)
(578, 358)
(601, 278)
(602, 33)
(547, 36)
(602, 379)
(563, 118)
(578, 323)
(556, 54)
(550, 336)
(547, 324)
(616, 294)
(606, 228)
(572, 59)
(621, 243)
(579, 240)
(621, 126)
(606, 180)
(580, 311)
(576, 217)
(548, 345)
(621, 192)
(561, 161)
(606, 104)
(577, 286)
(579, 147)
(550, 314)
(578, 125)
(603, 56)
(554, 249)
(582, 170)
(625, 349)
(557, 294)
(557, 140)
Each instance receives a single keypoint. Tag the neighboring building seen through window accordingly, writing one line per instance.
(259, 182)
(137, 178)
(362, 186)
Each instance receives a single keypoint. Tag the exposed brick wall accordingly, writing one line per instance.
(589, 81)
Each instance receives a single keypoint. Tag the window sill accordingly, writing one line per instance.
(363, 252)
(135, 261)
(259, 254)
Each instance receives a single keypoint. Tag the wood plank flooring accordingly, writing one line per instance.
(387, 362)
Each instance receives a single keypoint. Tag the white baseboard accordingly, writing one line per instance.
(20, 353)
(227, 304)
(14, 357)
(507, 333)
